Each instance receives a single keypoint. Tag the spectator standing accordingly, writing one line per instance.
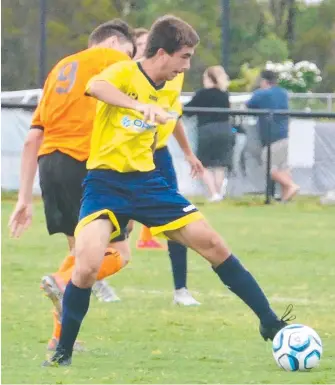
(271, 96)
(216, 138)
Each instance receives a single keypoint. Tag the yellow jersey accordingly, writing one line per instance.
(164, 131)
(121, 140)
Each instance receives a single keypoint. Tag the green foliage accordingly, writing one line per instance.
(247, 79)
(271, 48)
(259, 32)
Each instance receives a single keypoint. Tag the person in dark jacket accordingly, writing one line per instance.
(215, 135)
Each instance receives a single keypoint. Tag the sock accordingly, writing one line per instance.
(75, 305)
(244, 285)
(111, 264)
(178, 256)
(66, 264)
(145, 234)
(57, 325)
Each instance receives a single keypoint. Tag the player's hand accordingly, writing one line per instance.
(154, 114)
(20, 219)
(197, 169)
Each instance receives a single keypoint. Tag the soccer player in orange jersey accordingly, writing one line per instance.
(59, 143)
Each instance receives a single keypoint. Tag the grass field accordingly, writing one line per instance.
(144, 338)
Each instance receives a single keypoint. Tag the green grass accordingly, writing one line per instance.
(144, 338)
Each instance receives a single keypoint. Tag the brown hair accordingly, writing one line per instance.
(171, 34)
(138, 32)
(218, 76)
(115, 27)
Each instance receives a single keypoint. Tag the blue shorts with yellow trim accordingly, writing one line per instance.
(145, 197)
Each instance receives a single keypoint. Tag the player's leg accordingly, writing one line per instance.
(69, 260)
(203, 239)
(93, 234)
(91, 244)
(61, 178)
(177, 251)
(117, 255)
(53, 171)
(167, 212)
(61, 182)
(109, 266)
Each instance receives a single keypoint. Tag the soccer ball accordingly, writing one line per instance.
(297, 347)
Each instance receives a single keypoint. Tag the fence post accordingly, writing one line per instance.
(268, 187)
(329, 102)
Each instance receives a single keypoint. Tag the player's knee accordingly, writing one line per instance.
(84, 275)
(88, 262)
(216, 249)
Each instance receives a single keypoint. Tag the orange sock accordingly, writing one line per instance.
(111, 264)
(145, 234)
(66, 264)
(57, 325)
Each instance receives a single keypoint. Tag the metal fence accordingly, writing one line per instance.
(298, 101)
(304, 128)
(269, 117)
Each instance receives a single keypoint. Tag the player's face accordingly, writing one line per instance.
(141, 42)
(178, 62)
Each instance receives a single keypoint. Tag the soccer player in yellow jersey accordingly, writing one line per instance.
(163, 162)
(122, 183)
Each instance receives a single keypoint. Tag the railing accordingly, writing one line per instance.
(269, 114)
(319, 101)
(298, 101)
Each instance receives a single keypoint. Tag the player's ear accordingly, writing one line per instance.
(161, 52)
(111, 42)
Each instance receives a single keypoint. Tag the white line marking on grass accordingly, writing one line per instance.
(168, 293)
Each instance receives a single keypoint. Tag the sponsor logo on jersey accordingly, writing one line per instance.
(137, 124)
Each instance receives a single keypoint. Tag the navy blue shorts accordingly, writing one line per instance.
(145, 197)
(164, 164)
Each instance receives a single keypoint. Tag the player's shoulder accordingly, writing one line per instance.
(94, 57)
(74, 57)
(126, 65)
(123, 68)
(107, 54)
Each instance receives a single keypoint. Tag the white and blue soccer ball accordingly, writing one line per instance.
(297, 347)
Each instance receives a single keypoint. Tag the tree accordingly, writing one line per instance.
(270, 48)
(260, 30)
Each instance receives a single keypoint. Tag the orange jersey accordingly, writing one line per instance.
(64, 113)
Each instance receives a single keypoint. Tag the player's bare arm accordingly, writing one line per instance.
(179, 133)
(22, 214)
(107, 93)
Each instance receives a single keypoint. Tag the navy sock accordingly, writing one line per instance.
(178, 256)
(244, 285)
(75, 305)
